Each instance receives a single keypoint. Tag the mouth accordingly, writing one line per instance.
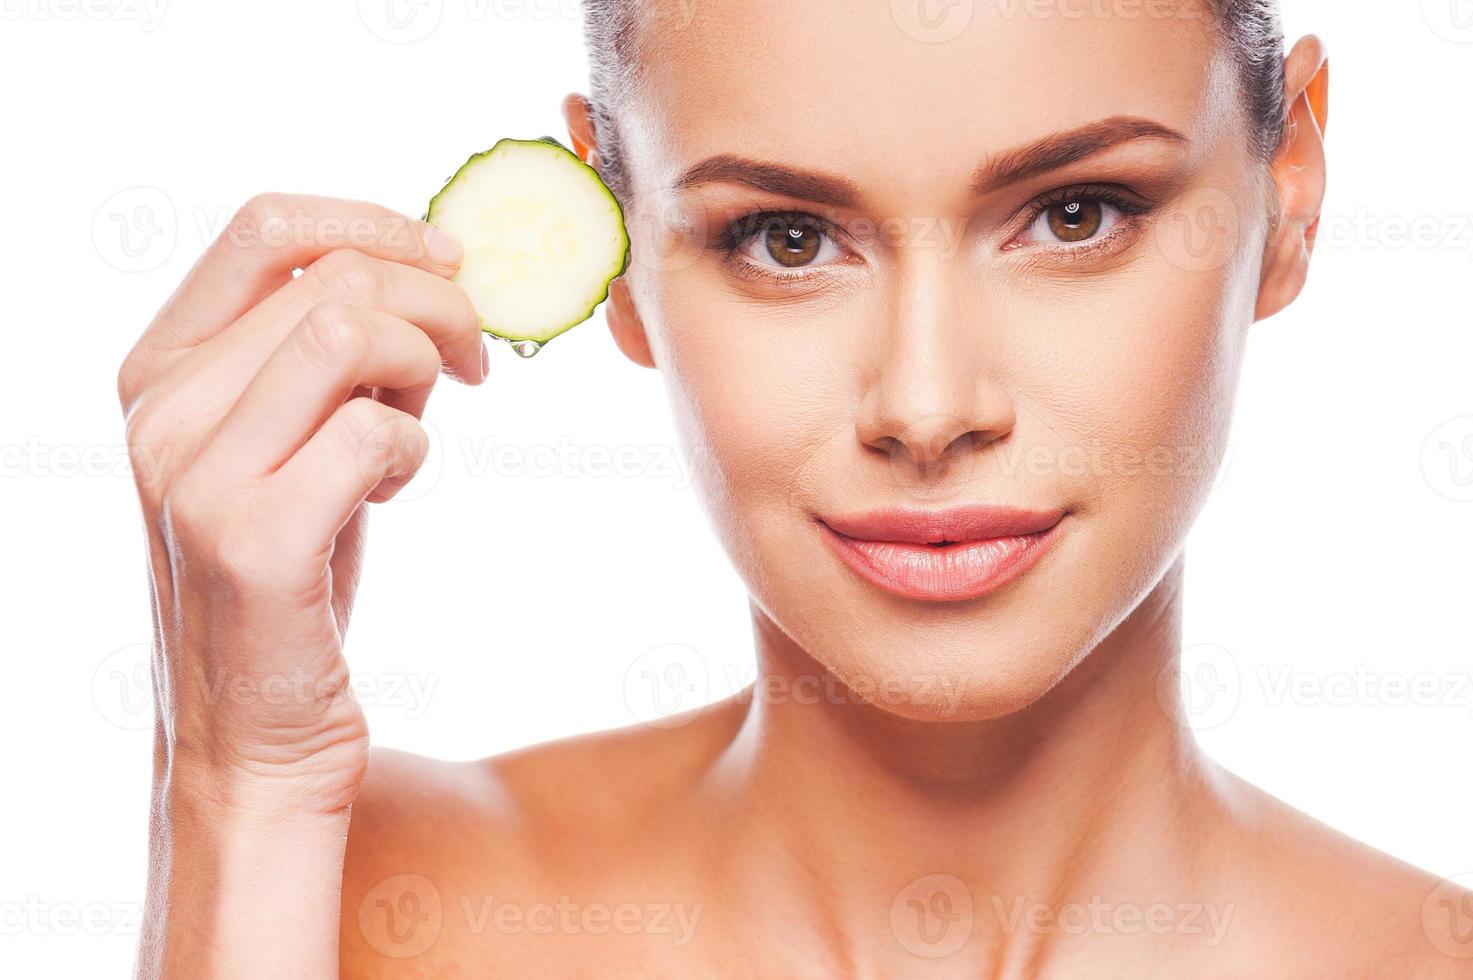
(942, 556)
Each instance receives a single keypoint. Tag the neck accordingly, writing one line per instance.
(848, 814)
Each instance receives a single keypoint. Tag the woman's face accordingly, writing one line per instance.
(1012, 266)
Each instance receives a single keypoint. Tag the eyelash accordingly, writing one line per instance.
(742, 230)
(1130, 206)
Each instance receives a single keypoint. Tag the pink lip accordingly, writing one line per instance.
(942, 556)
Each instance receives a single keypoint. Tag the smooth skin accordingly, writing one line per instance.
(1018, 763)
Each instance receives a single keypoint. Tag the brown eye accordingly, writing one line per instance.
(1076, 221)
(793, 243)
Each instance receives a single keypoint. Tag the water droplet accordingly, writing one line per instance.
(525, 348)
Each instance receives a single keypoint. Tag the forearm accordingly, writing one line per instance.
(255, 519)
(240, 886)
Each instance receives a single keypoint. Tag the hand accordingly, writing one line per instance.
(269, 409)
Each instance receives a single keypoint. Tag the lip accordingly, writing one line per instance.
(942, 555)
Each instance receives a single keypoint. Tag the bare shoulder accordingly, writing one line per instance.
(1334, 905)
(459, 867)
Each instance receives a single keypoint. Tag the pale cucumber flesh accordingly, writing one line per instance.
(543, 238)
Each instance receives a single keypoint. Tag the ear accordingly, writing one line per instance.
(579, 116)
(624, 322)
(1298, 171)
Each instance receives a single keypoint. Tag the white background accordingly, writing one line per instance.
(508, 596)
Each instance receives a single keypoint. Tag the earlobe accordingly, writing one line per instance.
(626, 326)
(1298, 171)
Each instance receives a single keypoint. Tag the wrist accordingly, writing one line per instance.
(272, 776)
(234, 799)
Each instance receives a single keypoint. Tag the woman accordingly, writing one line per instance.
(951, 304)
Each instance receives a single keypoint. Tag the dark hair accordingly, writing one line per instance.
(1254, 35)
(612, 29)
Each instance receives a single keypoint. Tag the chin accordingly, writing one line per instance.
(931, 680)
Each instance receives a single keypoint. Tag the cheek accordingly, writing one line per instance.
(759, 397)
(1132, 391)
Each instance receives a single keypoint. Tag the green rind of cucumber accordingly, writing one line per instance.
(606, 277)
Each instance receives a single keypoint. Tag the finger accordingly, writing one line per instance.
(364, 445)
(274, 234)
(437, 306)
(335, 349)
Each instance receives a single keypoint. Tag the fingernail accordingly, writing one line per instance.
(485, 360)
(443, 247)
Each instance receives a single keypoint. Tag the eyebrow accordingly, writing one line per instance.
(1062, 149)
(1049, 153)
(803, 184)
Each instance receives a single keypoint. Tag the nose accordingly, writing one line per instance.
(934, 398)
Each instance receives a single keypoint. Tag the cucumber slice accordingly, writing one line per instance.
(543, 238)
